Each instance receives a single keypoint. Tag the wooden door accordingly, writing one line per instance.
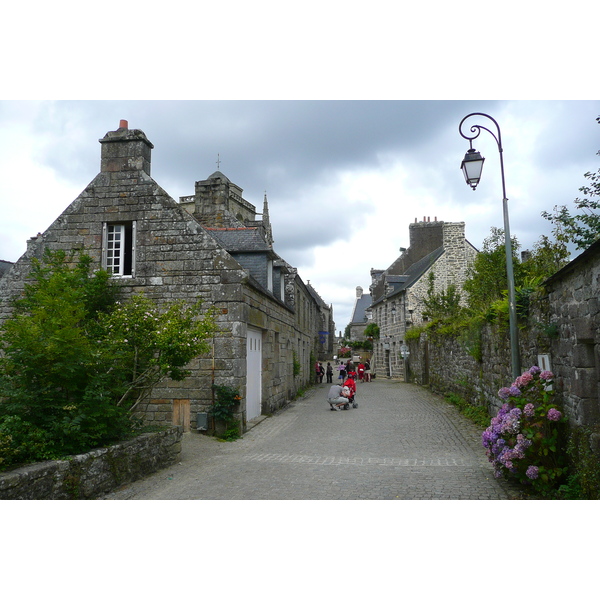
(181, 413)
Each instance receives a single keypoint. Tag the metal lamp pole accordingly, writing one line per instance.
(472, 166)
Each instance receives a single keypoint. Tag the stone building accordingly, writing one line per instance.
(436, 247)
(210, 245)
(359, 318)
(326, 332)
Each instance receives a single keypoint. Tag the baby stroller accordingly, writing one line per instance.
(350, 383)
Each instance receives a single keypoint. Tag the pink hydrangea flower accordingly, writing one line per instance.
(524, 379)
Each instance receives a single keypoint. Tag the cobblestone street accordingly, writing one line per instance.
(402, 442)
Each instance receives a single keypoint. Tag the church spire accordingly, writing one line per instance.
(266, 222)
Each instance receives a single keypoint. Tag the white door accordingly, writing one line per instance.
(253, 373)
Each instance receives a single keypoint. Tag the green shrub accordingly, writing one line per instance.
(227, 400)
(75, 363)
(583, 482)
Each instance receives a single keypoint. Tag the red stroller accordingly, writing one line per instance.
(351, 385)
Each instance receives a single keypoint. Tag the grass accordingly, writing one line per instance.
(477, 414)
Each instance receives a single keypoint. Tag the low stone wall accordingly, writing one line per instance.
(87, 476)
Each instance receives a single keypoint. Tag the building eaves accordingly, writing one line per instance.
(585, 255)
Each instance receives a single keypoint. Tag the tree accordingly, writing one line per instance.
(441, 305)
(581, 228)
(372, 330)
(143, 344)
(546, 258)
(486, 278)
(75, 363)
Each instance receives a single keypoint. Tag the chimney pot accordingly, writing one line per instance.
(123, 124)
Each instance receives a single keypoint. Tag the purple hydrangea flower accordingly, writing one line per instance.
(546, 375)
(514, 391)
(529, 410)
(535, 370)
(532, 472)
(504, 393)
(554, 415)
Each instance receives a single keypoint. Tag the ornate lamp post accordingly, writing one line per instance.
(472, 166)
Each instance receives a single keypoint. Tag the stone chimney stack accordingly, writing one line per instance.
(359, 291)
(125, 150)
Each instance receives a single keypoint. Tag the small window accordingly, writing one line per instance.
(118, 249)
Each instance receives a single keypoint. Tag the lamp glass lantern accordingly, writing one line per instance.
(471, 166)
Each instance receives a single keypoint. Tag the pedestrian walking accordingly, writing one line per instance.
(329, 373)
(367, 371)
(319, 372)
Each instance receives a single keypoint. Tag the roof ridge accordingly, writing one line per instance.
(230, 228)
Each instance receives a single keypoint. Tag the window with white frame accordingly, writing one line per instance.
(118, 248)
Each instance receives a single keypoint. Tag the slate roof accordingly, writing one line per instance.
(361, 305)
(4, 266)
(412, 275)
(240, 239)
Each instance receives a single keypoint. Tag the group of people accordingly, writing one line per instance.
(342, 395)
(362, 371)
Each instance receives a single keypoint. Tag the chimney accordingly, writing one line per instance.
(125, 150)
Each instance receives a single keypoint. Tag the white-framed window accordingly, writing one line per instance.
(118, 248)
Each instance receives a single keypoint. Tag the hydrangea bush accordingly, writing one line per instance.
(525, 439)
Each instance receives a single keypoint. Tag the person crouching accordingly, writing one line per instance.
(338, 396)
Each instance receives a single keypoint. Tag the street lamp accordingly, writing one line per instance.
(472, 166)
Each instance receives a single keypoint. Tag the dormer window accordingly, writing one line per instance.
(118, 248)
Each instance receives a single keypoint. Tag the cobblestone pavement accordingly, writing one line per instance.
(402, 442)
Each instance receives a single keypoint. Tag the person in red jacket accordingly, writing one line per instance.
(361, 371)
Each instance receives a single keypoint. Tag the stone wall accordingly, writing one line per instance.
(563, 326)
(87, 476)
(474, 365)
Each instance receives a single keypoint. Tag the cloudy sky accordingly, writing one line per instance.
(345, 115)
(344, 179)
